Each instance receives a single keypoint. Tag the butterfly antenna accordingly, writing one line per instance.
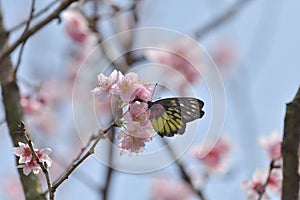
(154, 90)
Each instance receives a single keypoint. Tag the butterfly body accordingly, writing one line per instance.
(169, 116)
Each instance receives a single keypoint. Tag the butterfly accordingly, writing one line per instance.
(169, 116)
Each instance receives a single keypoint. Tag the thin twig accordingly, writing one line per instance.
(233, 10)
(54, 15)
(81, 157)
(94, 28)
(40, 163)
(43, 10)
(23, 44)
(184, 174)
(110, 169)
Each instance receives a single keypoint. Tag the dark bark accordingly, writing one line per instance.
(290, 147)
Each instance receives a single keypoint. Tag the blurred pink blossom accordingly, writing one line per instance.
(164, 188)
(30, 105)
(272, 144)
(224, 53)
(275, 181)
(183, 55)
(218, 157)
(76, 25)
(255, 186)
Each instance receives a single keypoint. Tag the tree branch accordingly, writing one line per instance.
(228, 14)
(23, 44)
(34, 16)
(110, 170)
(290, 148)
(5, 51)
(184, 174)
(13, 112)
(81, 157)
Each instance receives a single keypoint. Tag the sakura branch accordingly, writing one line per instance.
(32, 159)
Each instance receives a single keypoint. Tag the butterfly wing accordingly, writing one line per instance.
(190, 108)
(169, 116)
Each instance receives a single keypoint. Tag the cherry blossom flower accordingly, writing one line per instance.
(164, 188)
(76, 25)
(272, 144)
(43, 156)
(126, 85)
(134, 137)
(217, 159)
(256, 186)
(30, 166)
(27, 161)
(105, 84)
(23, 151)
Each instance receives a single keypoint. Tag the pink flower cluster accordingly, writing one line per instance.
(36, 107)
(27, 160)
(259, 185)
(184, 56)
(136, 129)
(256, 186)
(214, 158)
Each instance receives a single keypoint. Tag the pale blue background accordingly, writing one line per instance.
(267, 35)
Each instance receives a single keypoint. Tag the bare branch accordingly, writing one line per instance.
(221, 19)
(23, 44)
(110, 170)
(54, 15)
(290, 150)
(34, 16)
